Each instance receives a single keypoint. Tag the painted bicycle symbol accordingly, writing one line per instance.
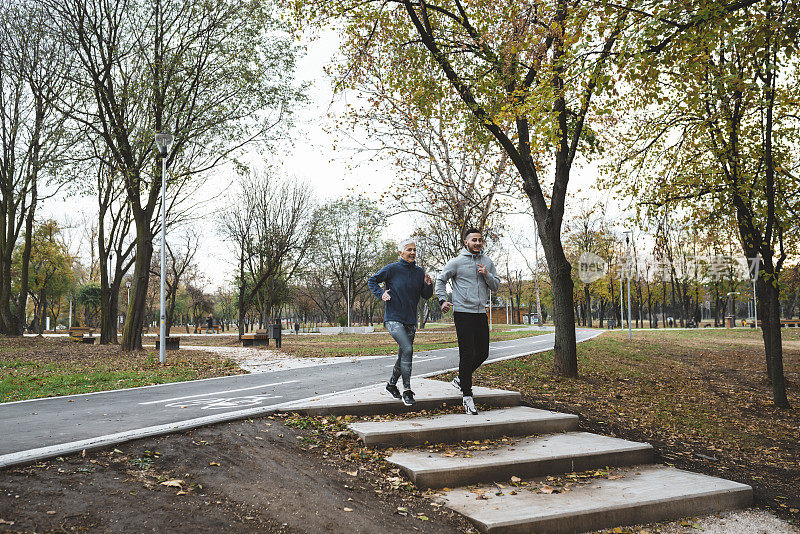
(222, 403)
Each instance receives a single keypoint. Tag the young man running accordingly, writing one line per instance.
(472, 275)
(404, 283)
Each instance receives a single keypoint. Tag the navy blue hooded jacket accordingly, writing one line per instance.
(406, 283)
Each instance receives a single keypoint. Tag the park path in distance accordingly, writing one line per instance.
(53, 426)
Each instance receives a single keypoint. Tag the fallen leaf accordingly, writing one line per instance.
(174, 483)
(181, 492)
(352, 473)
(423, 517)
(348, 509)
(213, 463)
(516, 480)
(4, 522)
(51, 512)
(547, 489)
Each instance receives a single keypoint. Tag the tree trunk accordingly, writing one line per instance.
(565, 356)
(588, 300)
(602, 311)
(771, 332)
(132, 335)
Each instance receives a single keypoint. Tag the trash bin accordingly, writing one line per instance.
(729, 321)
(170, 343)
(275, 333)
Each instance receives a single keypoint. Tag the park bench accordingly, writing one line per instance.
(255, 339)
(216, 329)
(82, 334)
(262, 336)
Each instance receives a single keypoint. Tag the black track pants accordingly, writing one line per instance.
(472, 330)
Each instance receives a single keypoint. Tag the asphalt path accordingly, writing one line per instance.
(42, 428)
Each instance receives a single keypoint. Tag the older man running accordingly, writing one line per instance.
(404, 283)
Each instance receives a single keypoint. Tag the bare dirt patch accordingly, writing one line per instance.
(249, 476)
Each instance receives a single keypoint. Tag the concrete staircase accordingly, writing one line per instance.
(637, 492)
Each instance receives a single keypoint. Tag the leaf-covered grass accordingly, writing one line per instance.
(47, 367)
(379, 344)
(700, 397)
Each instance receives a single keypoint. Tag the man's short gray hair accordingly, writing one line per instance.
(403, 243)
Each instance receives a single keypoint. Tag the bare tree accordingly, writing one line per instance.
(32, 131)
(450, 176)
(180, 265)
(271, 225)
(349, 246)
(216, 74)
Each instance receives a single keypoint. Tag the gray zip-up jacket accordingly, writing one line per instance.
(470, 288)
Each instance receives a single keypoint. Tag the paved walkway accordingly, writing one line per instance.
(54, 426)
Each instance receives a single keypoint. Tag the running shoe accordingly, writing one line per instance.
(393, 391)
(456, 383)
(408, 398)
(469, 406)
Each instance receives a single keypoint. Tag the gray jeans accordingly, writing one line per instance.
(404, 335)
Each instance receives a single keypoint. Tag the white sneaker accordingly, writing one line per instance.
(469, 406)
(456, 383)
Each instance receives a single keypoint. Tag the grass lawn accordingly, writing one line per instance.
(47, 367)
(699, 396)
(377, 344)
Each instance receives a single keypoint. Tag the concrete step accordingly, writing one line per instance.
(375, 400)
(529, 457)
(515, 421)
(644, 494)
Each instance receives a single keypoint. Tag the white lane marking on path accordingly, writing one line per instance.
(217, 404)
(216, 392)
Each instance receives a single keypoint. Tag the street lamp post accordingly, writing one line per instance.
(348, 304)
(163, 142)
(628, 274)
(621, 304)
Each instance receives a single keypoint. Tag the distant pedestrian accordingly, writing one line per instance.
(472, 275)
(210, 323)
(296, 328)
(404, 284)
